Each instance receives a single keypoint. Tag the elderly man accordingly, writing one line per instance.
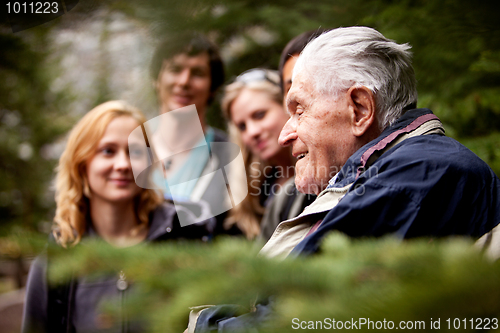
(379, 165)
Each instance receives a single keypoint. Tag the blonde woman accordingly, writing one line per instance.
(253, 104)
(96, 196)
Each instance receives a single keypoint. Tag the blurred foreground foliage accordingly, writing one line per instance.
(371, 278)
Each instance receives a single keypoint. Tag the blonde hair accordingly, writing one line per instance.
(248, 214)
(72, 188)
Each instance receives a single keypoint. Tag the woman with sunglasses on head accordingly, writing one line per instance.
(253, 104)
(97, 197)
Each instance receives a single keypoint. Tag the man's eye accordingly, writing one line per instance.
(174, 69)
(291, 106)
(199, 72)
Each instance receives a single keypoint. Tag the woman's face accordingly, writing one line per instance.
(259, 120)
(109, 171)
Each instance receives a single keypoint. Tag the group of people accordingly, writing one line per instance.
(332, 141)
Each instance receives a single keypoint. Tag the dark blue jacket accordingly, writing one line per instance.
(425, 186)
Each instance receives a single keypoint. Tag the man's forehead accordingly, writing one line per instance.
(301, 84)
(294, 96)
(201, 58)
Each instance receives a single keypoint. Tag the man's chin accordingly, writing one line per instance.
(307, 187)
(176, 106)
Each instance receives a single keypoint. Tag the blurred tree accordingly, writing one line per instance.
(456, 47)
(379, 279)
(32, 116)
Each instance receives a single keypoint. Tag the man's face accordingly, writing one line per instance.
(184, 80)
(320, 133)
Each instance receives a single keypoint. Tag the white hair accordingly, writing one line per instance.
(361, 56)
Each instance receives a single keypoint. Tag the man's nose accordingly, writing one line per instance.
(288, 133)
(183, 77)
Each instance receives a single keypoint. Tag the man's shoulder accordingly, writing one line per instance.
(435, 153)
(425, 186)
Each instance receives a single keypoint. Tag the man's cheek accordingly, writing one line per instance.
(303, 174)
(300, 167)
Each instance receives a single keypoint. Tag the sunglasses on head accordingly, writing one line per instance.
(258, 74)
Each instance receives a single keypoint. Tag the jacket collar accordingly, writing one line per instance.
(416, 121)
(161, 218)
(162, 221)
(184, 214)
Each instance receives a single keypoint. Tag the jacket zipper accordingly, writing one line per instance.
(122, 285)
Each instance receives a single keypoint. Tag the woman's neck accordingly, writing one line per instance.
(116, 223)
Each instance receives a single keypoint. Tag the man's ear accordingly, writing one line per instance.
(362, 104)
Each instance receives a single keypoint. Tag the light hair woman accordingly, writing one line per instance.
(73, 194)
(97, 197)
(253, 105)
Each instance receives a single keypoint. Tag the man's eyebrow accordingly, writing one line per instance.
(290, 103)
(200, 68)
